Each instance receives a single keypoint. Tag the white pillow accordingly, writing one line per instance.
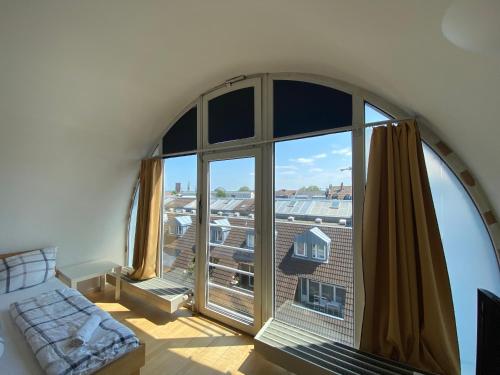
(27, 269)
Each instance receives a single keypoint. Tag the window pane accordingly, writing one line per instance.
(313, 291)
(313, 205)
(232, 210)
(182, 136)
(470, 256)
(301, 107)
(327, 292)
(131, 229)
(179, 220)
(231, 116)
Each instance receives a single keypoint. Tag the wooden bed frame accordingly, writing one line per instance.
(129, 363)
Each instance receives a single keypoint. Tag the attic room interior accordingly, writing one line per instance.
(249, 187)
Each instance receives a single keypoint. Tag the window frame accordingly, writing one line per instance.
(297, 247)
(266, 144)
(256, 83)
(306, 297)
(315, 252)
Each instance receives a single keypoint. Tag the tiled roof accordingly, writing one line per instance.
(338, 271)
(175, 203)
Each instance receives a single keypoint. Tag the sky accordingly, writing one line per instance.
(316, 161)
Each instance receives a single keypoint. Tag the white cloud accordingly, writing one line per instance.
(320, 156)
(286, 167)
(346, 151)
(315, 170)
(288, 172)
(303, 160)
(252, 173)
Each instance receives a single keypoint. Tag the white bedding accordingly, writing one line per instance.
(50, 321)
(18, 358)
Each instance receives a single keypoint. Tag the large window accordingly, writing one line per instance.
(275, 206)
(313, 244)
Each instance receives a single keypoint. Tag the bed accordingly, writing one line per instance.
(18, 357)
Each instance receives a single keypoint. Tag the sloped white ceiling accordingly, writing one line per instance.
(86, 87)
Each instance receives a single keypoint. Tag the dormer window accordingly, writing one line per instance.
(181, 225)
(312, 244)
(219, 230)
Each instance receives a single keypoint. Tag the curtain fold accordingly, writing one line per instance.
(409, 315)
(148, 220)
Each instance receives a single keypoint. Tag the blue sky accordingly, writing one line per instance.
(309, 161)
(180, 169)
(316, 161)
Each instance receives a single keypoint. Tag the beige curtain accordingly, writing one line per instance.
(409, 314)
(148, 220)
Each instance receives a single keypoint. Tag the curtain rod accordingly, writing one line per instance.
(285, 138)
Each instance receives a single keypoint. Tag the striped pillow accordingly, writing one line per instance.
(27, 269)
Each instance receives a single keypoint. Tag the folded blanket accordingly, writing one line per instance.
(84, 333)
(50, 321)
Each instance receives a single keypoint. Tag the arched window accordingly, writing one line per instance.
(279, 156)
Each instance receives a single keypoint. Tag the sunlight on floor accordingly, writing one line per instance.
(184, 343)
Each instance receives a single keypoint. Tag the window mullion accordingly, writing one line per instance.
(358, 186)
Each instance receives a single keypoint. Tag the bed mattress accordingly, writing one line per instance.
(18, 358)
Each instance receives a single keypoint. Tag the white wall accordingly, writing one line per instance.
(86, 88)
(55, 189)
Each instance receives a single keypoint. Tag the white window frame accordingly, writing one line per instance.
(219, 236)
(202, 303)
(304, 297)
(264, 125)
(297, 246)
(256, 83)
(316, 250)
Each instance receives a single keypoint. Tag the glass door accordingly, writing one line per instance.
(231, 239)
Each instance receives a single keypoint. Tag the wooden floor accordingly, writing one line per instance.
(184, 343)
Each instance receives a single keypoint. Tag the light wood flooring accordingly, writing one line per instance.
(184, 343)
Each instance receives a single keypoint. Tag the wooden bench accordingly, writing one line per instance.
(166, 294)
(303, 352)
